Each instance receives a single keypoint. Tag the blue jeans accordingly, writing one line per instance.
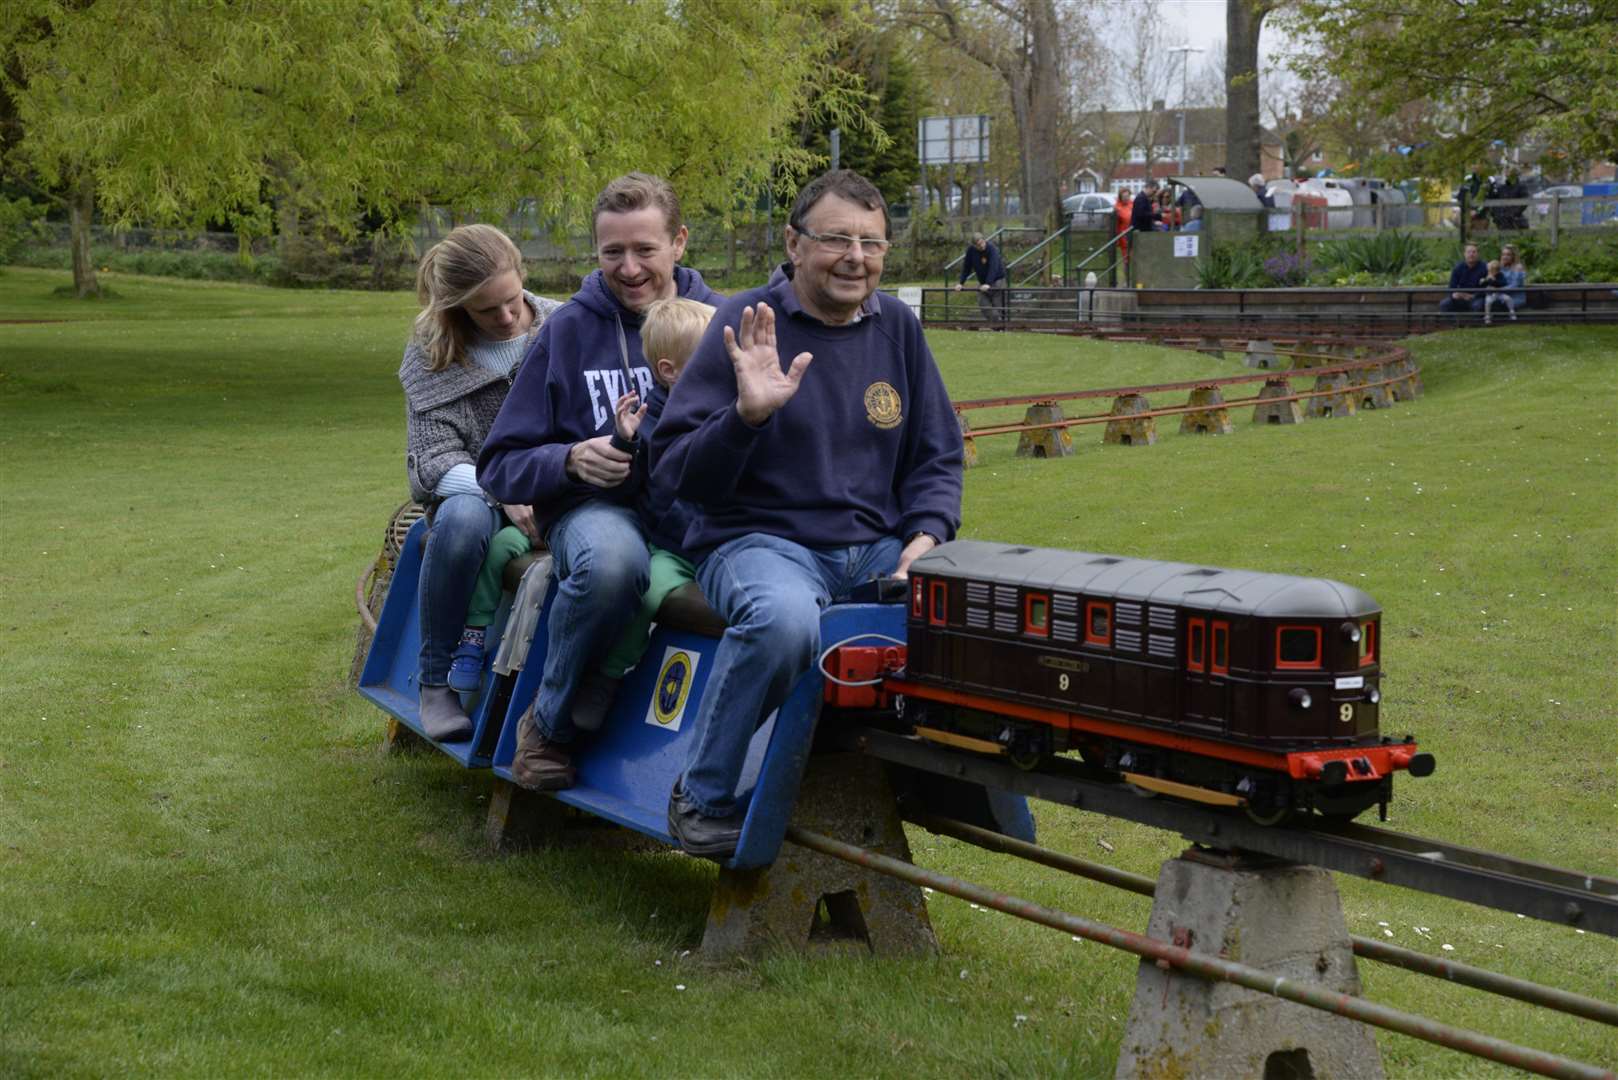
(457, 540)
(771, 592)
(601, 575)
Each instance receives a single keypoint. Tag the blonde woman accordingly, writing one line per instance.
(469, 340)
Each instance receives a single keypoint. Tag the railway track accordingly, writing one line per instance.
(1586, 901)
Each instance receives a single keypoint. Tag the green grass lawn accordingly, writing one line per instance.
(208, 866)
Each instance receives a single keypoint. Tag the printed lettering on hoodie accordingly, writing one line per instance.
(607, 386)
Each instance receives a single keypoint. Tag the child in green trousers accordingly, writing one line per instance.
(669, 336)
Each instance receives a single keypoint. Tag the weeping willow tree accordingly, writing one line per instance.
(176, 113)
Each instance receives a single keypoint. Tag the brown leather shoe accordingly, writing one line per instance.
(539, 764)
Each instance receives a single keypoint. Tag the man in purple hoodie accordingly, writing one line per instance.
(804, 478)
(552, 447)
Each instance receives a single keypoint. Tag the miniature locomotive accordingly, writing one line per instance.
(1223, 686)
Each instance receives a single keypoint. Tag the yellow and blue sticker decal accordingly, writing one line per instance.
(673, 690)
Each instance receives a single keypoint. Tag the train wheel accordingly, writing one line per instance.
(1026, 760)
(1268, 817)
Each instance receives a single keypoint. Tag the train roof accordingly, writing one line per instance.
(1247, 592)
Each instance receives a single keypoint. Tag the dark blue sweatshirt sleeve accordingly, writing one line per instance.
(997, 265)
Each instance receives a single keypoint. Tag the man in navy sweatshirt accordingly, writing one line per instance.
(805, 478)
(552, 448)
(983, 259)
(1466, 284)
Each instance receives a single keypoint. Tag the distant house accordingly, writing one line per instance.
(1122, 148)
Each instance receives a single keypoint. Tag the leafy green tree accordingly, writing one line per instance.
(1518, 70)
(181, 112)
(883, 151)
(1026, 44)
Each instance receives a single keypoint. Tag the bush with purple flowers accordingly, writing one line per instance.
(1287, 268)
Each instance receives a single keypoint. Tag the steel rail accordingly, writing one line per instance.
(1174, 410)
(1369, 948)
(1341, 365)
(1587, 901)
(1213, 968)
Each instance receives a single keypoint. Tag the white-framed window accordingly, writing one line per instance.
(1137, 155)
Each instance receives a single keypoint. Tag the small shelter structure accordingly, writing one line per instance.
(1230, 213)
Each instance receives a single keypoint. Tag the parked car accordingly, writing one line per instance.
(1089, 210)
(1566, 191)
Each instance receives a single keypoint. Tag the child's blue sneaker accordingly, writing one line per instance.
(466, 667)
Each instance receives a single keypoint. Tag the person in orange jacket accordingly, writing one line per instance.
(1124, 207)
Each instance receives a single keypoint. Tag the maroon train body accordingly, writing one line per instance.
(1226, 686)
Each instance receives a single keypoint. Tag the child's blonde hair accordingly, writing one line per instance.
(672, 328)
(1494, 266)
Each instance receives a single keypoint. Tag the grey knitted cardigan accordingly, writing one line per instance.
(448, 413)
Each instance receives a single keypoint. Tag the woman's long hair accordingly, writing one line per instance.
(451, 271)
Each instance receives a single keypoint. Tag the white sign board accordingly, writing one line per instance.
(953, 140)
(1185, 246)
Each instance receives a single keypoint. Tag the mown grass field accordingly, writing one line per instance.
(208, 866)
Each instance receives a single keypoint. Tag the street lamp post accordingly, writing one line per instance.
(1185, 52)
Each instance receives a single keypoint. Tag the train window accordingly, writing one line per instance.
(1196, 645)
(1219, 663)
(938, 604)
(1297, 647)
(1368, 642)
(916, 586)
(1036, 614)
(1098, 623)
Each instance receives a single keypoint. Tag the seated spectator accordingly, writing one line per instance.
(1515, 274)
(1261, 188)
(475, 325)
(1493, 295)
(1464, 282)
(552, 446)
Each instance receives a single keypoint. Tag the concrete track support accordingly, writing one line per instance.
(1334, 397)
(1277, 412)
(809, 902)
(1261, 355)
(1211, 417)
(1046, 442)
(969, 446)
(1131, 429)
(1280, 917)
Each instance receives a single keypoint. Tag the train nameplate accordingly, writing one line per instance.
(1064, 663)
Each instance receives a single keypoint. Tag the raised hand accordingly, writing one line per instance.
(626, 418)
(761, 386)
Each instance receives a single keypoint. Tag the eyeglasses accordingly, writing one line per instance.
(837, 242)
